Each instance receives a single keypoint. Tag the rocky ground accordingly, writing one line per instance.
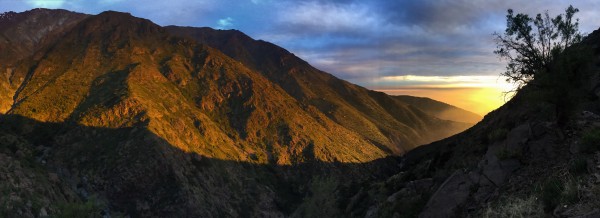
(532, 170)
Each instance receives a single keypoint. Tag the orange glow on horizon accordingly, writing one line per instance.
(480, 94)
(480, 100)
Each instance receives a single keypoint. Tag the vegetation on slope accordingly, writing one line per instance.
(136, 121)
(378, 117)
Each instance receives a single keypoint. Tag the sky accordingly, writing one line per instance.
(442, 49)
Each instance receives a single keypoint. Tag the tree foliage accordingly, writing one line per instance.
(532, 44)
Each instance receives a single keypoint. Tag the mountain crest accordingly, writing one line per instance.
(210, 118)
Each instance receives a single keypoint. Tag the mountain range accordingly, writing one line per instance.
(113, 114)
(110, 115)
(440, 109)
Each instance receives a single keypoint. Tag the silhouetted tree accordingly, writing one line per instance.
(530, 45)
(542, 52)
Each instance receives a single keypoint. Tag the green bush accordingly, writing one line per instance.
(556, 192)
(570, 192)
(505, 153)
(411, 207)
(590, 141)
(322, 200)
(551, 193)
(578, 166)
(497, 135)
(91, 209)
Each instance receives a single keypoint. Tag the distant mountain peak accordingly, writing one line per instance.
(7, 15)
(440, 109)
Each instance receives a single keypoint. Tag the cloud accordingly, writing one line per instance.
(173, 12)
(361, 41)
(109, 2)
(46, 3)
(315, 17)
(256, 2)
(459, 81)
(225, 23)
(364, 40)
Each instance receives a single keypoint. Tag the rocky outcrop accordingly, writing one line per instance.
(463, 190)
(451, 195)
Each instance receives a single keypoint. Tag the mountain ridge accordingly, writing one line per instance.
(440, 109)
(149, 76)
(337, 98)
(120, 116)
(328, 107)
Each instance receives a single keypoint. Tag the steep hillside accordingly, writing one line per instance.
(155, 125)
(106, 72)
(21, 35)
(126, 118)
(377, 116)
(440, 109)
(113, 114)
(71, 170)
(517, 162)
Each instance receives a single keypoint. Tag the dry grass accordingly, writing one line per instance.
(516, 207)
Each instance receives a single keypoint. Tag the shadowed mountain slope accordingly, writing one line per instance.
(70, 170)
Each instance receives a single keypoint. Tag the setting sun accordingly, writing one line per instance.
(479, 94)
(477, 100)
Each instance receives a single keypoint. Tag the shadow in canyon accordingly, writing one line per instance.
(140, 174)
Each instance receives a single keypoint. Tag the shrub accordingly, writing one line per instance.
(322, 200)
(570, 193)
(551, 191)
(590, 141)
(497, 135)
(505, 153)
(515, 207)
(578, 166)
(91, 208)
(556, 192)
(411, 207)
